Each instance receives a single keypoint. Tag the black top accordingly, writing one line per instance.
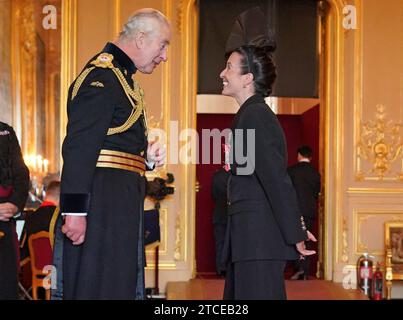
(13, 171)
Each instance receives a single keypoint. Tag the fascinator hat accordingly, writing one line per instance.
(254, 27)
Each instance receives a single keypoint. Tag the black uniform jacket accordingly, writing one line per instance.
(306, 180)
(98, 106)
(265, 222)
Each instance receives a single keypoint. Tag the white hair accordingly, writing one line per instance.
(143, 21)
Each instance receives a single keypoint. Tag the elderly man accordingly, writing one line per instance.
(105, 155)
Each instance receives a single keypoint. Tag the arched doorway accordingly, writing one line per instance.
(331, 81)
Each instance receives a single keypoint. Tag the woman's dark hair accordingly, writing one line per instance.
(259, 62)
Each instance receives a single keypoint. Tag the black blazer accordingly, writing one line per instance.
(264, 218)
(306, 180)
(219, 194)
(13, 171)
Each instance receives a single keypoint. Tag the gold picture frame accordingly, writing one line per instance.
(394, 240)
(394, 253)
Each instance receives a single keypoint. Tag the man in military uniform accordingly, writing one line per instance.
(14, 184)
(105, 155)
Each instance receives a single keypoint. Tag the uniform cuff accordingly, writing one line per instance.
(76, 214)
(75, 203)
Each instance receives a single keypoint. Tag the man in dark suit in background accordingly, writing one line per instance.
(306, 181)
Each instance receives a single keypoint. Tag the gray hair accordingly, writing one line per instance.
(143, 21)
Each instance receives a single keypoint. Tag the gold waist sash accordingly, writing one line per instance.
(121, 160)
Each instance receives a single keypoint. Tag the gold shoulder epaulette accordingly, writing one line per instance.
(135, 95)
(104, 60)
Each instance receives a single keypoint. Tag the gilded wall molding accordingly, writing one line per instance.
(188, 91)
(344, 256)
(359, 244)
(117, 21)
(68, 59)
(363, 216)
(332, 94)
(380, 146)
(379, 191)
(179, 17)
(178, 238)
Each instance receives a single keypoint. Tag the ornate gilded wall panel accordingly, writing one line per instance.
(380, 148)
(363, 100)
(379, 113)
(369, 228)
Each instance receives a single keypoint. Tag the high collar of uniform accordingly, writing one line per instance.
(120, 57)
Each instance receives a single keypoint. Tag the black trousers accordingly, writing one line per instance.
(219, 237)
(255, 280)
(8, 262)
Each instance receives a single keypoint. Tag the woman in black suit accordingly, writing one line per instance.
(265, 228)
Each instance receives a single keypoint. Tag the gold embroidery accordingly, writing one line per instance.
(135, 95)
(80, 81)
(97, 84)
(104, 60)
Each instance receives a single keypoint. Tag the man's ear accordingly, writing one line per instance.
(139, 39)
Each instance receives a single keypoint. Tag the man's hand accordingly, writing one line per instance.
(156, 153)
(7, 211)
(301, 246)
(74, 228)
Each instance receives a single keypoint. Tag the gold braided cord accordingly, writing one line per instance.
(80, 81)
(52, 226)
(131, 95)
